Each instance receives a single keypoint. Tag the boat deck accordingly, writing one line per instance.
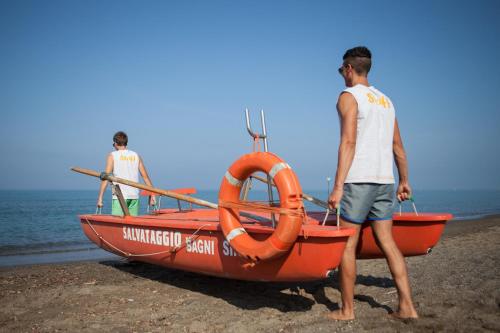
(209, 220)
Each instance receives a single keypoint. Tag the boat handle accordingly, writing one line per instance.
(249, 127)
(412, 203)
(337, 213)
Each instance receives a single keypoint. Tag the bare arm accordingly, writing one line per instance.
(104, 183)
(147, 180)
(404, 189)
(347, 108)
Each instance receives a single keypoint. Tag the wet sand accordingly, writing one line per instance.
(455, 288)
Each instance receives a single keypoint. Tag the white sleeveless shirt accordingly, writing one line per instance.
(126, 165)
(373, 159)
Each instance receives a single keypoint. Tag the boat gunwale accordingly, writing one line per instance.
(422, 217)
(152, 221)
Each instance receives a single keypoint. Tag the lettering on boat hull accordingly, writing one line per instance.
(174, 239)
(155, 237)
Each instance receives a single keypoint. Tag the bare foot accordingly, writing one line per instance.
(340, 315)
(403, 316)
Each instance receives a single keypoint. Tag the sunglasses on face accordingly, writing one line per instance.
(341, 68)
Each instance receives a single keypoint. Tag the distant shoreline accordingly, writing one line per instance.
(56, 257)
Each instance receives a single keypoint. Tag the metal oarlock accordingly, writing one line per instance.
(263, 136)
(247, 186)
(152, 209)
(326, 216)
(98, 210)
(328, 179)
(338, 216)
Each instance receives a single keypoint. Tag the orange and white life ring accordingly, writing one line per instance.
(290, 194)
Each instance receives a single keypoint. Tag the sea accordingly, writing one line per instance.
(39, 227)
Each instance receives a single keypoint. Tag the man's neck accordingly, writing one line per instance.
(121, 147)
(363, 80)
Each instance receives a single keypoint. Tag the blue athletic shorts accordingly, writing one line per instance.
(367, 202)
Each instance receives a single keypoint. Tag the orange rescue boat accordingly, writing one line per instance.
(204, 240)
(236, 238)
(193, 241)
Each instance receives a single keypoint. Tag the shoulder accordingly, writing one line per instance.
(376, 90)
(129, 152)
(347, 91)
(379, 92)
(110, 159)
(134, 155)
(356, 92)
(347, 106)
(346, 98)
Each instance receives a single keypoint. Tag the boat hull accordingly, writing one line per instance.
(414, 235)
(193, 241)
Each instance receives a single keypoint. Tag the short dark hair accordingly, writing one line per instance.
(360, 58)
(120, 138)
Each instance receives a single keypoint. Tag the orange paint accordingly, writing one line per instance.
(155, 239)
(414, 234)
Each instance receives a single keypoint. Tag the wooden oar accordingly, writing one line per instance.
(308, 197)
(171, 194)
(105, 176)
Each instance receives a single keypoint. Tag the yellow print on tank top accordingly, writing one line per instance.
(382, 101)
(127, 158)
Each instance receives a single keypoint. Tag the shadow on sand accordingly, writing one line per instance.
(249, 295)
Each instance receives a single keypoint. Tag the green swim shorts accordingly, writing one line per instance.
(132, 204)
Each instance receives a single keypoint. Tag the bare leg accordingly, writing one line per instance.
(347, 276)
(397, 266)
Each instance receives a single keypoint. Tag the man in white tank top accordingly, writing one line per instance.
(126, 164)
(364, 182)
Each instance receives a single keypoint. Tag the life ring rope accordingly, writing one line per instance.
(256, 206)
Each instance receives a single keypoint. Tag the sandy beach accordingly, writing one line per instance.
(455, 288)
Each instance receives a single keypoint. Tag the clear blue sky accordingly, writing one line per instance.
(177, 76)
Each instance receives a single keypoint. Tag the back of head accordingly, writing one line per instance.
(360, 58)
(120, 138)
